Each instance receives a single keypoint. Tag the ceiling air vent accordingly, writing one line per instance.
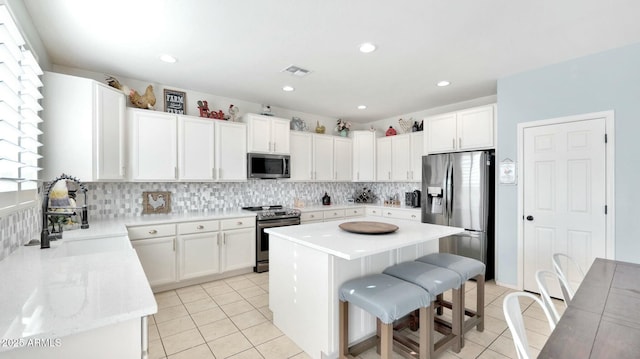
(297, 71)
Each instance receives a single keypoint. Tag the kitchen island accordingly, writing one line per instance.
(308, 263)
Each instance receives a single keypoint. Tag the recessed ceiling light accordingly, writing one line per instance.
(287, 88)
(362, 107)
(168, 58)
(443, 83)
(367, 47)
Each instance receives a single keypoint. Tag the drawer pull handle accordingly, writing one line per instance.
(200, 227)
(389, 213)
(153, 231)
(239, 223)
(413, 216)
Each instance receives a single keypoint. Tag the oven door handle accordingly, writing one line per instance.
(279, 223)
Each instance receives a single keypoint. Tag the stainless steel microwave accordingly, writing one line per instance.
(260, 165)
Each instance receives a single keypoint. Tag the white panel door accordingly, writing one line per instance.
(199, 255)
(564, 197)
(383, 159)
(195, 148)
(158, 259)
(364, 156)
(280, 135)
(417, 151)
(259, 133)
(231, 151)
(342, 158)
(441, 133)
(301, 158)
(475, 128)
(154, 145)
(238, 249)
(109, 140)
(322, 157)
(401, 158)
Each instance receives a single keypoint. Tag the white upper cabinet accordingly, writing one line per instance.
(205, 149)
(342, 158)
(75, 105)
(476, 128)
(267, 134)
(383, 159)
(301, 156)
(364, 145)
(316, 157)
(415, 155)
(231, 151)
(196, 154)
(323, 158)
(153, 145)
(464, 130)
(399, 158)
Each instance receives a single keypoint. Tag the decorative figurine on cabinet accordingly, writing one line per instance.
(390, 131)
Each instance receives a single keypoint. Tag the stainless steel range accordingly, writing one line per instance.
(269, 217)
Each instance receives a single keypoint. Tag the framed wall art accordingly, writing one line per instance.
(174, 101)
(156, 202)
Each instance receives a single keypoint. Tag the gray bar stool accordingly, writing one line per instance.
(389, 299)
(436, 280)
(467, 268)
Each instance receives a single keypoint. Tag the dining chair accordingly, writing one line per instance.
(541, 278)
(515, 321)
(563, 273)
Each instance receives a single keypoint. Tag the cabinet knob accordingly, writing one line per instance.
(239, 223)
(413, 216)
(153, 231)
(389, 213)
(312, 216)
(200, 227)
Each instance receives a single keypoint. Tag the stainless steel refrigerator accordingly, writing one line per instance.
(458, 190)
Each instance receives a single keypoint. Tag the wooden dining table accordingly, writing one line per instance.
(603, 318)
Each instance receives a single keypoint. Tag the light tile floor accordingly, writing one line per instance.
(230, 318)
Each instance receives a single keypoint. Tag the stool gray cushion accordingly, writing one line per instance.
(434, 279)
(384, 296)
(466, 267)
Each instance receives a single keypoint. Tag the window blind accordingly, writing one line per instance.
(19, 119)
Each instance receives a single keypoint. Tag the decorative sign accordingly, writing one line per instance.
(507, 171)
(156, 202)
(174, 101)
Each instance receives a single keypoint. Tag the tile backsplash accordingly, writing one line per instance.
(18, 228)
(123, 199)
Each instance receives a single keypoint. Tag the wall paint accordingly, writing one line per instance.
(606, 81)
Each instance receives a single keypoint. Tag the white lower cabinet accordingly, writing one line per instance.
(311, 217)
(330, 214)
(198, 250)
(186, 251)
(158, 259)
(238, 249)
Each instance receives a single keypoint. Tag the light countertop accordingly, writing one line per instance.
(89, 279)
(329, 238)
(351, 205)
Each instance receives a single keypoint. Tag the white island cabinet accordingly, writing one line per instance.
(309, 263)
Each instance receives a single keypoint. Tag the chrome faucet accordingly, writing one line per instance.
(45, 236)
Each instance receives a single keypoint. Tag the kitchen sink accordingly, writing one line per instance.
(92, 246)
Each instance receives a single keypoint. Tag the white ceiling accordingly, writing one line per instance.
(237, 48)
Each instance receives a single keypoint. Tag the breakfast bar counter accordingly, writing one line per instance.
(308, 263)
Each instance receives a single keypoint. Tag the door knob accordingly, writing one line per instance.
(529, 218)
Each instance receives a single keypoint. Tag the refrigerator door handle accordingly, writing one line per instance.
(450, 191)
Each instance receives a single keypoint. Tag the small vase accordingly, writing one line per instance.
(344, 133)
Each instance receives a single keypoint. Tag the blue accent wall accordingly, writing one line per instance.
(605, 81)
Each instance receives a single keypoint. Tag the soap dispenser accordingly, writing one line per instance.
(326, 200)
